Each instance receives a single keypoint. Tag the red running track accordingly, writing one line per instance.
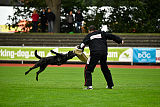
(83, 65)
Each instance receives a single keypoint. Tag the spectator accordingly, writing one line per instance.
(43, 20)
(78, 19)
(35, 18)
(70, 21)
(50, 18)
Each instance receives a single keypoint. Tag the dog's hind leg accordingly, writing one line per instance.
(40, 70)
(28, 71)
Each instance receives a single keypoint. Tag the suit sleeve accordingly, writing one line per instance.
(115, 38)
(85, 42)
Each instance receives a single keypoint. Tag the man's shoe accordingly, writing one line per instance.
(109, 87)
(89, 88)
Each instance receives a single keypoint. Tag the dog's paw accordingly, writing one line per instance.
(37, 78)
(26, 73)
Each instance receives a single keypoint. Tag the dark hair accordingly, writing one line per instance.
(92, 28)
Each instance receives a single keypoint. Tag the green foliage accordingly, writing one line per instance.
(67, 6)
(127, 15)
(96, 17)
(25, 11)
(135, 16)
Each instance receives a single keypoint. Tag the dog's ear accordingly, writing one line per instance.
(52, 51)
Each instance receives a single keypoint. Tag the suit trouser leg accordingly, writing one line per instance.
(92, 61)
(49, 26)
(52, 27)
(43, 25)
(106, 71)
(34, 26)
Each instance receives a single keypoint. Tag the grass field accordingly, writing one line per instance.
(63, 87)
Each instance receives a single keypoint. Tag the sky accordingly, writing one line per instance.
(4, 12)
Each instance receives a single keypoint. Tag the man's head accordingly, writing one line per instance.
(43, 10)
(70, 12)
(91, 28)
(49, 10)
(78, 11)
(34, 11)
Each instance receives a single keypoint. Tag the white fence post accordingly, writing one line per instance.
(22, 46)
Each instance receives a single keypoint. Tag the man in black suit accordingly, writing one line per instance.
(96, 40)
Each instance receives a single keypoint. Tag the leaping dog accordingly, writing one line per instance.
(59, 59)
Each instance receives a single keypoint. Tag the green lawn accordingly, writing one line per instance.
(63, 87)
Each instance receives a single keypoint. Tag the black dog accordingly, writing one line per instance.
(59, 59)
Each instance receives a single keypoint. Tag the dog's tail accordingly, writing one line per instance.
(36, 55)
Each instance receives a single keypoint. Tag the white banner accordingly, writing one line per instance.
(158, 55)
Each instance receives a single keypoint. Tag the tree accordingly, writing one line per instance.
(26, 12)
(152, 10)
(61, 8)
(55, 6)
(95, 16)
(134, 16)
(127, 15)
(126, 18)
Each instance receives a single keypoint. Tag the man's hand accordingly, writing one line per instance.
(78, 51)
(78, 47)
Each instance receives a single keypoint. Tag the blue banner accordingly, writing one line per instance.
(144, 55)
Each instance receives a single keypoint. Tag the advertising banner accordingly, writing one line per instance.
(144, 55)
(158, 55)
(115, 54)
(118, 54)
(23, 53)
